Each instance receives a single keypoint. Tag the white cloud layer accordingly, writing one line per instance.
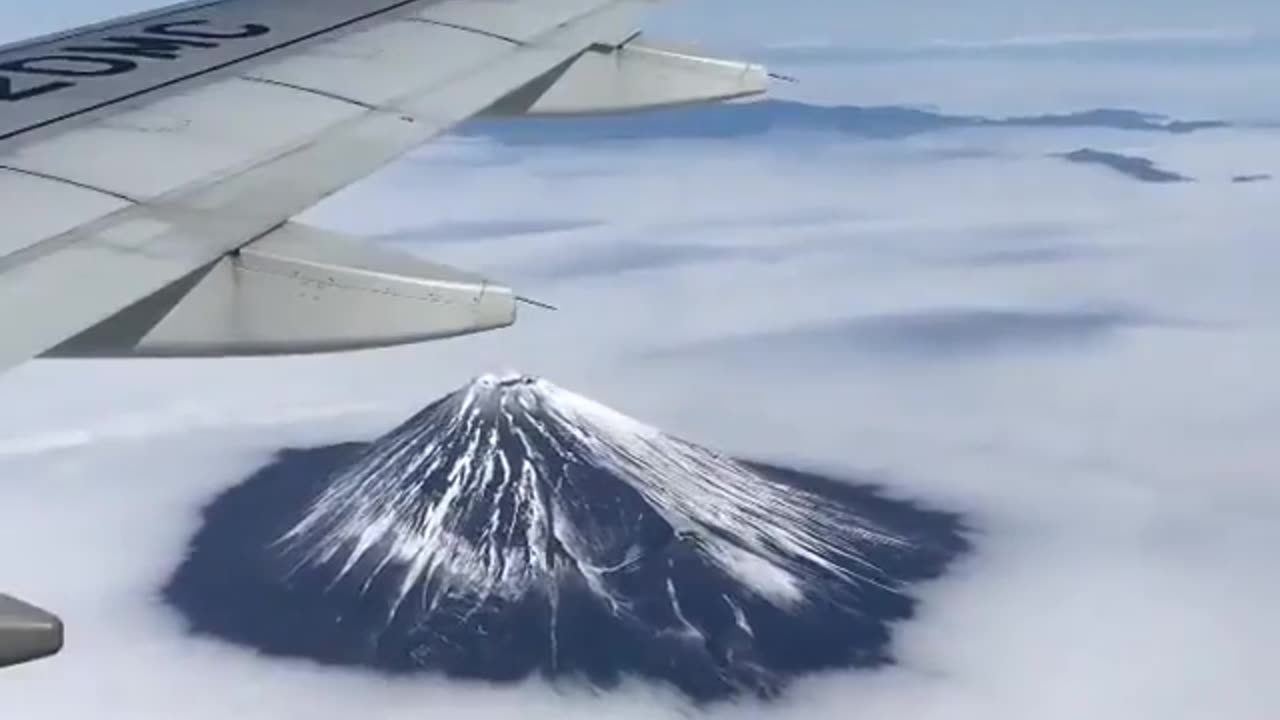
(1123, 481)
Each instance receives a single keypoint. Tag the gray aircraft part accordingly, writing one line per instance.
(301, 290)
(26, 632)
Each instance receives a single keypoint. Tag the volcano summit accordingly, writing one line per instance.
(514, 528)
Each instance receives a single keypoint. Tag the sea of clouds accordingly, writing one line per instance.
(1082, 363)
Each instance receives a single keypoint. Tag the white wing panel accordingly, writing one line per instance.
(638, 77)
(521, 21)
(163, 51)
(183, 140)
(96, 270)
(301, 289)
(224, 127)
(367, 66)
(36, 208)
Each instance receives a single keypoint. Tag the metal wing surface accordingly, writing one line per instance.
(149, 166)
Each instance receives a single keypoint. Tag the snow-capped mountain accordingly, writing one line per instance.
(514, 527)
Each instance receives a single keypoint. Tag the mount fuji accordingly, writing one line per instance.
(515, 529)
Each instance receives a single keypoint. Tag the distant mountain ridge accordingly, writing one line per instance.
(1136, 167)
(757, 118)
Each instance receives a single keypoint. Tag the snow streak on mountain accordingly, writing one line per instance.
(515, 528)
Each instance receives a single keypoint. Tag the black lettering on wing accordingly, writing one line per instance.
(9, 92)
(69, 66)
(111, 55)
(184, 29)
(156, 48)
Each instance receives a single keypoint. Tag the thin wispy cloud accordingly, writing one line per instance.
(1123, 37)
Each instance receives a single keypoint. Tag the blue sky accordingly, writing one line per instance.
(1006, 56)
(879, 22)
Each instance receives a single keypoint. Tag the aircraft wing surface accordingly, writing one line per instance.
(149, 166)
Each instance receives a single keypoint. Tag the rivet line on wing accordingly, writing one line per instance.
(469, 29)
(73, 183)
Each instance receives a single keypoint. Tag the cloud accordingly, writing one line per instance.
(1124, 37)
(1120, 473)
(938, 335)
(1212, 44)
(483, 229)
(1189, 48)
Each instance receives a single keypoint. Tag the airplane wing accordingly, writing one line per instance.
(149, 166)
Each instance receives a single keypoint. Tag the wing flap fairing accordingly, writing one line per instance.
(636, 76)
(301, 290)
(27, 632)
